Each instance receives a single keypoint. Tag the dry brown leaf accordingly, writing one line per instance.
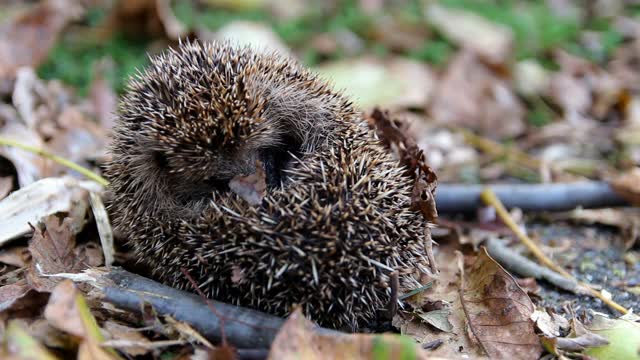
(498, 311)
(444, 294)
(297, 339)
(17, 256)
(53, 251)
(471, 95)
(627, 185)
(27, 39)
(252, 188)
(20, 297)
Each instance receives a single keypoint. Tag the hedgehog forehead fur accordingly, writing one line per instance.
(336, 217)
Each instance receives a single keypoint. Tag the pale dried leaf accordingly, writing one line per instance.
(491, 40)
(33, 203)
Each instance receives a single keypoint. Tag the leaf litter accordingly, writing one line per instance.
(479, 116)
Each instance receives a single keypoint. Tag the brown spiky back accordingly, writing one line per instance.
(328, 231)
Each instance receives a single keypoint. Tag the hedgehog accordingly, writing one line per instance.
(334, 222)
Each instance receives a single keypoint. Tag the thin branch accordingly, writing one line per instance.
(244, 328)
(490, 198)
(461, 198)
(60, 160)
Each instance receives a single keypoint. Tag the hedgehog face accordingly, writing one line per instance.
(199, 118)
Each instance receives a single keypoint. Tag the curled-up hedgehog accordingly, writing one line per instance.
(334, 220)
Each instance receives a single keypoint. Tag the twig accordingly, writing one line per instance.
(460, 198)
(60, 160)
(489, 197)
(522, 266)
(244, 328)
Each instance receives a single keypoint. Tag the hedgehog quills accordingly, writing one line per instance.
(335, 218)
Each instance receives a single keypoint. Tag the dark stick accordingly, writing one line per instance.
(460, 198)
(245, 329)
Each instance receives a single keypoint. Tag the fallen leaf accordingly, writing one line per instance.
(488, 39)
(472, 95)
(498, 311)
(393, 83)
(623, 337)
(19, 298)
(438, 319)
(548, 325)
(53, 251)
(27, 39)
(21, 345)
(297, 339)
(68, 311)
(31, 204)
(17, 256)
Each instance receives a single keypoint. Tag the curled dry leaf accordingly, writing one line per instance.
(472, 95)
(393, 134)
(297, 339)
(498, 311)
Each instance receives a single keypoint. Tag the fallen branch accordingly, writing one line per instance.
(460, 198)
(518, 264)
(243, 328)
(490, 198)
